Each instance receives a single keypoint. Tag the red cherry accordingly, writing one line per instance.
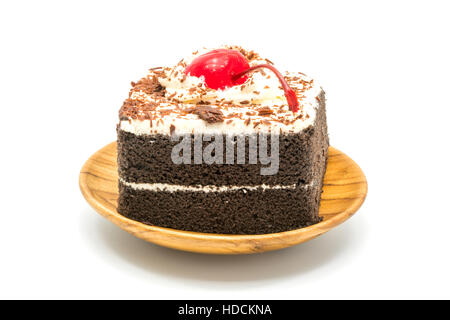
(224, 68)
(219, 67)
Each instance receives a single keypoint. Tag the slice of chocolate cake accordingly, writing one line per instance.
(199, 155)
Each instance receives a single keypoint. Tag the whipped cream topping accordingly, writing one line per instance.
(160, 103)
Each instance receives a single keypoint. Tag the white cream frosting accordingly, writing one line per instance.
(191, 123)
(260, 89)
(208, 188)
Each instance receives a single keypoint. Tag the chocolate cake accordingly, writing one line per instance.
(199, 155)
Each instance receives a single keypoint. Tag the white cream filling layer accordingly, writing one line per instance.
(208, 188)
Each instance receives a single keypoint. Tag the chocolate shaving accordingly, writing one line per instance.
(207, 113)
(233, 115)
(172, 129)
(265, 111)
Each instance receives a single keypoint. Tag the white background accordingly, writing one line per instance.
(66, 67)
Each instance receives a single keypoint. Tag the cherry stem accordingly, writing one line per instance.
(291, 97)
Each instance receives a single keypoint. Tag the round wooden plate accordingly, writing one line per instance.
(344, 191)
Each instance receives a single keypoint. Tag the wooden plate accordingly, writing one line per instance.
(345, 188)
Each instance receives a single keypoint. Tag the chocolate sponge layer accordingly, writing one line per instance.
(235, 212)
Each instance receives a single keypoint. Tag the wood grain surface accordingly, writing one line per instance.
(345, 188)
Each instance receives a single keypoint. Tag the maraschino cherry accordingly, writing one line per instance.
(224, 68)
(219, 67)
